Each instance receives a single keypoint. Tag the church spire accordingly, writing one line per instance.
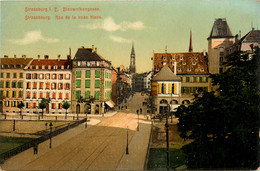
(190, 48)
(132, 67)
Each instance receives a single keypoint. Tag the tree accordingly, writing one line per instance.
(20, 106)
(65, 106)
(224, 124)
(42, 106)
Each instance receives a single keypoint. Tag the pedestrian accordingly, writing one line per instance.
(125, 107)
(140, 110)
(35, 148)
(137, 111)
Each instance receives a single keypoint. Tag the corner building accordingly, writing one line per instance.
(91, 80)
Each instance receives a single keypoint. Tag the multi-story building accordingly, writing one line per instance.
(47, 79)
(12, 82)
(91, 77)
(219, 39)
(147, 81)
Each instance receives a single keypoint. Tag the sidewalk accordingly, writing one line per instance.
(22, 159)
(138, 146)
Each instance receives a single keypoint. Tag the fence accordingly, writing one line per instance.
(41, 139)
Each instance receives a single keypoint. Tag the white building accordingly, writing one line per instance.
(47, 79)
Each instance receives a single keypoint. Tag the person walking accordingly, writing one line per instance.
(35, 148)
(137, 111)
(140, 110)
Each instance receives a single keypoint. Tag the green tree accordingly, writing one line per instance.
(224, 124)
(42, 105)
(20, 106)
(65, 106)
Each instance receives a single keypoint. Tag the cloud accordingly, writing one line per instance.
(119, 39)
(109, 25)
(33, 37)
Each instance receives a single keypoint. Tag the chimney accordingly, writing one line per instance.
(96, 50)
(59, 57)
(68, 57)
(46, 56)
(38, 57)
(175, 68)
(92, 48)
(82, 47)
(24, 56)
(14, 56)
(5, 56)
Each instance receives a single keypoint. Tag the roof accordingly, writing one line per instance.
(195, 63)
(86, 54)
(166, 74)
(10, 63)
(220, 29)
(51, 62)
(251, 37)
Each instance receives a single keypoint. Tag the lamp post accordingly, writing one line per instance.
(86, 125)
(126, 152)
(167, 138)
(50, 132)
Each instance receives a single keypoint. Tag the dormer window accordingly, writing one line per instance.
(179, 70)
(201, 69)
(62, 67)
(164, 63)
(88, 64)
(164, 58)
(196, 58)
(97, 63)
(183, 63)
(79, 63)
(189, 70)
(172, 63)
(157, 69)
(193, 63)
(181, 58)
(173, 58)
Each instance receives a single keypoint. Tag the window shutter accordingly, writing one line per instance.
(170, 88)
(159, 88)
(164, 88)
(175, 88)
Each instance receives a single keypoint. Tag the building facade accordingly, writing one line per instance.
(91, 78)
(12, 82)
(47, 79)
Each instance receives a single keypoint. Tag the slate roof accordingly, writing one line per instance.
(86, 54)
(220, 29)
(11, 63)
(251, 37)
(166, 74)
(194, 63)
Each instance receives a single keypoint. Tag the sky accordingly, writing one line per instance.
(151, 25)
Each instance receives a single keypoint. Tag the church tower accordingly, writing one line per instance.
(132, 68)
(219, 39)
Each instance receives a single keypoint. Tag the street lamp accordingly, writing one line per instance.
(50, 133)
(127, 141)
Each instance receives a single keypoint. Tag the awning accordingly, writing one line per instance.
(110, 103)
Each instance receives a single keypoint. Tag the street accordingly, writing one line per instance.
(99, 147)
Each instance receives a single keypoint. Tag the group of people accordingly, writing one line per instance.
(137, 111)
(122, 107)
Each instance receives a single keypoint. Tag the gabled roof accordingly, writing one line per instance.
(86, 54)
(166, 74)
(252, 37)
(15, 62)
(220, 29)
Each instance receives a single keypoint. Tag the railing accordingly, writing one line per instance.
(39, 140)
(148, 148)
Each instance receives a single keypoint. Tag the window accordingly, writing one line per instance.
(207, 79)
(189, 69)
(67, 96)
(79, 63)
(27, 105)
(193, 63)
(28, 95)
(34, 105)
(183, 63)
(67, 76)
(60, 105)
(7, 94)
(97, 95)
(14, 94)
(78, 74)
(14, 75)
(1, 75)
(54, 76)
(41, 95)
(187, 79)
(41, 85)
(21, 75)
(201, 70)
(47, 95)
(13, 84)
(2, 84)
(34, 95)
(60, 86)
(54, 95)
(200, 79)
(53, 105)
(67, 86)
(1, 92)
(47, 76)
(20, 93)
(78, 94)
(87, 73)
(53, 86)
(7, 75)
(97, 74)
(60, 95)
(35, 76)
(78, 83)
(7, 103)
(60, 76)
(7, 84)
(87, 94)
(41, 76)
(179, 69)
(97, 84)
(20, 84)
(35, 85)
(87, 84)
(47, 85)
